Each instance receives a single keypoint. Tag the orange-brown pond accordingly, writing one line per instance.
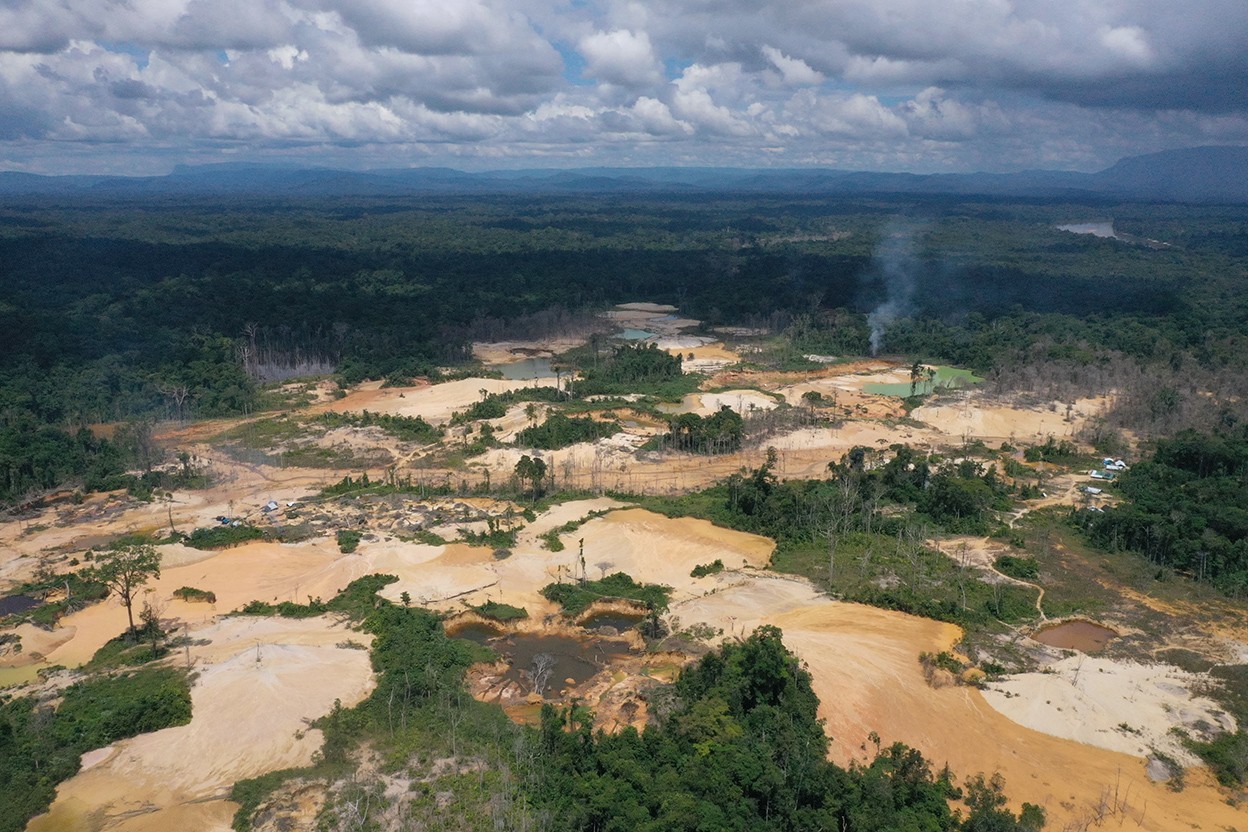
(1083, 636)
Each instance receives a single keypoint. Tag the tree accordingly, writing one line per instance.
(532, 470)
(126, 569)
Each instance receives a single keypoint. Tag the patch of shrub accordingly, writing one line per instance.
(223, 537)
(349, 540)
(193, 595)
(704, 569)
(1019, 568)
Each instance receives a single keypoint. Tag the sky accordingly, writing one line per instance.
(137, 86)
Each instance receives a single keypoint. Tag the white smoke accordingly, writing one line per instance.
(896, 263)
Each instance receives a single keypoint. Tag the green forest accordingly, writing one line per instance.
(1186, 509)
(125, 311)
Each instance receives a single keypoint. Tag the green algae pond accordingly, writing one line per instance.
(952, 377)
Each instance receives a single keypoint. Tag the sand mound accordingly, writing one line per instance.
(249, 714)
(564, 513)
(435, 404)
(706, 404)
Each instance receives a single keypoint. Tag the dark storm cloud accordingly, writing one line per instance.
(855, 83)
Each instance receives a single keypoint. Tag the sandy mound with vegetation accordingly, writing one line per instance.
(258, 683)
(497, 353)
(433, 403)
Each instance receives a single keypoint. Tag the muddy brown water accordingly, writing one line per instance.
(621, 621)
(543, 664)
(480, 633)
(1083, 636)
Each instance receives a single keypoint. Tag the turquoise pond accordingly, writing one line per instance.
(945, 377)
(634, 335)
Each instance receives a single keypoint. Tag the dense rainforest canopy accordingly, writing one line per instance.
(127, 309)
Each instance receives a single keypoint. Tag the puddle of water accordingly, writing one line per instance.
(1096, 229)
(543, 664)
(527, 369)
(635, 335)
(10, 676)
(1083, 636)
(16, 603)
(945, 377)
(688, 404)
(621, 621)
(480, 633)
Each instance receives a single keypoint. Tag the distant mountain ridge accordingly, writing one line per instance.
(1217, 174)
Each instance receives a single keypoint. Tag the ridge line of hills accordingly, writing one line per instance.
(1212, 174)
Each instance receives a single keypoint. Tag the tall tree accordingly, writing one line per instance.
(125, 570)
(532, 470)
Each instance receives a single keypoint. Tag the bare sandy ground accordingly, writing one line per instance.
(865, 669)
(562, 514)
(616, 464)
(497, 353)
(433, 403)
(706, 404)
(864, 663)
(973, 417)
(270, 572)
(648, 546)
(1120, 706)
(258, 683)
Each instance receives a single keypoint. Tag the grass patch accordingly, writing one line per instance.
(560, 431)
(882, 571)
(403, 428)
(355, 601)
(262, 434)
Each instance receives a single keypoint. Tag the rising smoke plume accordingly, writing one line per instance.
(896, 265)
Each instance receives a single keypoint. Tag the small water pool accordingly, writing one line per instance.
(634, 334)
(527, 369)
(543, 664)
(480, 633)
(12, 676)
(1083, 636)
(1096, 229)
(621, 621)
(13, 604)
(945, 377)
